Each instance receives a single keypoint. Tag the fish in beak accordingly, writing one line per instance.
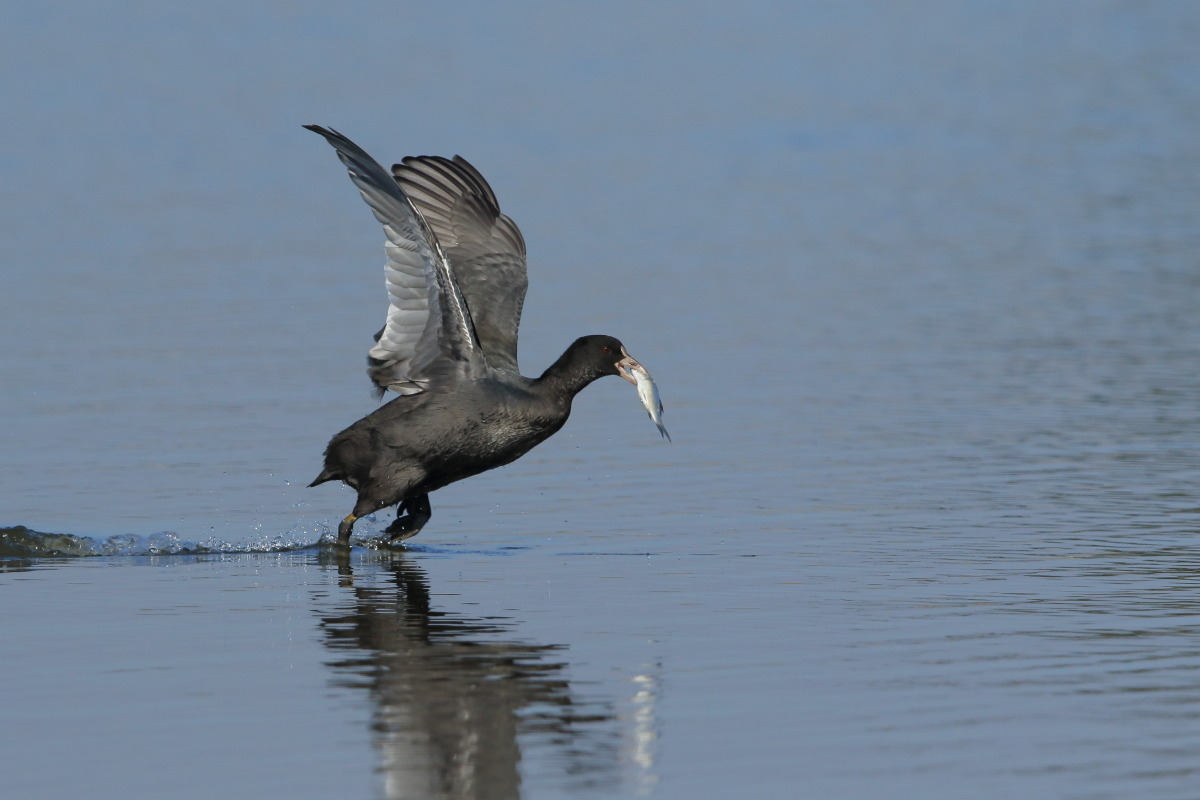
(629, 369)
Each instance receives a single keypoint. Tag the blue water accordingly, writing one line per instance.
(917, 282)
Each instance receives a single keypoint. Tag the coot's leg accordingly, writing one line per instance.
(344, 528)
(365, 505)
(409, 525)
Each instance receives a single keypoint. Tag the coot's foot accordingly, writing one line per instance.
(409, 525)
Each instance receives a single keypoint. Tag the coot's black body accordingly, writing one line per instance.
(456, 277)
(419, 443)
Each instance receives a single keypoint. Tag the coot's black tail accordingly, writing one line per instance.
(326, 475)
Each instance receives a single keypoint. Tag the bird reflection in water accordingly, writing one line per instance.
(456, 699)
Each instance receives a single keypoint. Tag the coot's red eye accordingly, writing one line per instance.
(606, 349)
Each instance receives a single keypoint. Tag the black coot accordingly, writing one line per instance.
(456, 279)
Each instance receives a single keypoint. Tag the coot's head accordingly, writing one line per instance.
(592, 357)
(604, 355)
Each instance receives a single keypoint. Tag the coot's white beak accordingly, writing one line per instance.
(626, 366)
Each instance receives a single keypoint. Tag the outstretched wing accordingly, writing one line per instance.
(429, 335)
(484, 247)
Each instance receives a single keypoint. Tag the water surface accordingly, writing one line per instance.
(918, 283)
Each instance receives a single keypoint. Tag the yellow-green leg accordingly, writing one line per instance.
(344, 528)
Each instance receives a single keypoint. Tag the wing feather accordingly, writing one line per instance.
(429, 334)
(485, 248)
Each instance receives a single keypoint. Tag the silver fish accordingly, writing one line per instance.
(648, 394)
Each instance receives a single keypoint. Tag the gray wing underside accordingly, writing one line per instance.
(429, 333)
(484, 247)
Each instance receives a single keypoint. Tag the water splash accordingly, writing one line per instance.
(21, 542)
